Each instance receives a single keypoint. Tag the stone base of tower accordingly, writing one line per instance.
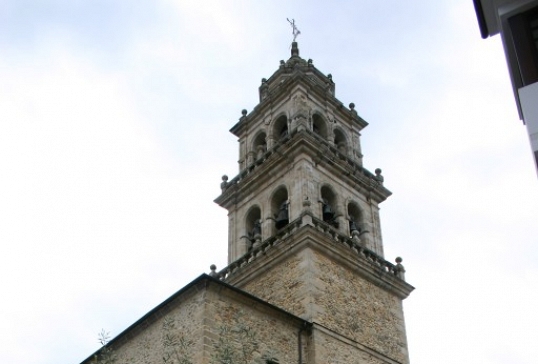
(353, 297)
(329, 347)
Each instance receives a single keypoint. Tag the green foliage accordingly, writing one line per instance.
(105, 355)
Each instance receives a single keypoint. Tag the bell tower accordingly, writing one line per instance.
(304, 228)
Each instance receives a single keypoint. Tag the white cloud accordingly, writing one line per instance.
(91, 201)
(113, 156)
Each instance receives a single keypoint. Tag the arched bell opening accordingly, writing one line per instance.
(340, 141)
(280, 129)
(280, 208)
(328, 206)
(319, 126)
(253, 225)
(354, 217)
(259, 145)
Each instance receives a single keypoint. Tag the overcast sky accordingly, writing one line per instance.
(114, 119)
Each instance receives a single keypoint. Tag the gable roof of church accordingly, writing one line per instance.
(203, 281)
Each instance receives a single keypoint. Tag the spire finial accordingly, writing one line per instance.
(294, 49)
(295, 31)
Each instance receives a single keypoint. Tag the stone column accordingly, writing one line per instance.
(244, 245)
(366, 235)
(242, 154)
(250, 158)
(270, 227)
(232, 242)
(300, 112)
(356, 147)
(341, 219)
(267, 226)
(270, 141)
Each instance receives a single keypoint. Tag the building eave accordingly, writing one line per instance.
(481, 19)
(293, 79)
(201, 282)
(294, 145)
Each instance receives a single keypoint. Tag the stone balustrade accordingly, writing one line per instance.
(355, 248)
(253, 253)
(359, 250)
(331, 151)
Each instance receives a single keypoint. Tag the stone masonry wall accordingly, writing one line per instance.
(246, 333)
(315, 287)
(209, 324)
(175, 337)
(330, 350)
(283, 286)
(359, 310)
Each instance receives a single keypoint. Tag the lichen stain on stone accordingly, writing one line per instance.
(366, 315)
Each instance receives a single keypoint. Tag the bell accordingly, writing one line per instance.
(328, 214)
(257, 229)
(282, 218)
(353, 227)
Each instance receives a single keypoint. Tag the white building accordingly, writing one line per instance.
(517, 23)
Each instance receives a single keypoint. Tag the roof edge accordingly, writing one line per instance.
(202, 278)
(484, 32)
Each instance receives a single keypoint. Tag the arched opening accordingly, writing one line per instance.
(354, 217)
(319, 126)
(340, 141)
(328, 206)
(260, 145)
(280, 129)
(253, 224)
(280, 207)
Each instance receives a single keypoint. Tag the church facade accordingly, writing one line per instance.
(306, 281)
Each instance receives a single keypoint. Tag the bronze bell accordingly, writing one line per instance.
(257, 229)
(328, 214)
(353, 227)
(282, 218)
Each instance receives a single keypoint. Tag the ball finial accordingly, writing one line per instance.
(244, 112)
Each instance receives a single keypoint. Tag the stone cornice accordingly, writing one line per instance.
(281, 157)
(308, 232)
(282, 92)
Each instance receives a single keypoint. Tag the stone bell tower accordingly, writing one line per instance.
(304, 227)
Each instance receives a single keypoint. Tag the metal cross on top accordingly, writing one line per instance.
(295, 30)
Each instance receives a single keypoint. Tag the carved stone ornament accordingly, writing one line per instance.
(300, 106)
(224, 183)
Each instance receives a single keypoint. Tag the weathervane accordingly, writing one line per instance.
(295, 30)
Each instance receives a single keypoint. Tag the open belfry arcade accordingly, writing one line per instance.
(306, 281)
